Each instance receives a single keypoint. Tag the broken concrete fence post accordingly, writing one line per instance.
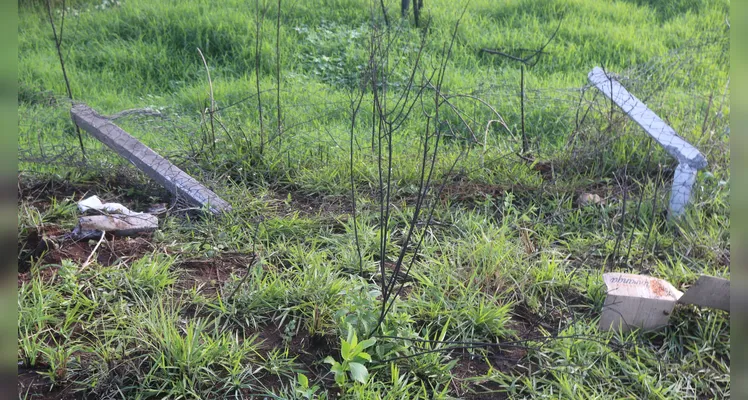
(147, 160)
(689, 158)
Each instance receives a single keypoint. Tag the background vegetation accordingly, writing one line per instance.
(272, 299)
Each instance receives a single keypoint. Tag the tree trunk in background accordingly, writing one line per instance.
(417, 6)
(404, 5)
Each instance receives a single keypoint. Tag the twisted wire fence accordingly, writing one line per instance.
(571, 131)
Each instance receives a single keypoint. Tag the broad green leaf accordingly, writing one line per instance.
(303, 380)
(351, 333)
(359, 372)
(363, 355)
(330, 360)
(338, 370)
(340, 379)
(368, 343)
(355, 351)
(345, 349)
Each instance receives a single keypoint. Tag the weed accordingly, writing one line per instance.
(353, 359)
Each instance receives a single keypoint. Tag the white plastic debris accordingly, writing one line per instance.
(94, 203)
(114, 218)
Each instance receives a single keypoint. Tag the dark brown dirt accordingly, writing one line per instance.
(33, 385)
(209, 274)
(467, 191)
(468, 367)
(309, 351)
(527, 326)
(53, 248)
(49, 241)
(724, 258)
(309, 203)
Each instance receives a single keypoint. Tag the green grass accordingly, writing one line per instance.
(509, 257)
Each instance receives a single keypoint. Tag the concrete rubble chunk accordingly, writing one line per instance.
(116, 224)
(114, 218)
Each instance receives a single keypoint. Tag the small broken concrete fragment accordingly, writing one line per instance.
(117, 224)
(117, 220)
(586, 199)
(637, 301)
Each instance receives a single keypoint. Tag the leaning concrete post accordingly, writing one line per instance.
(147, 160)
(689, 158)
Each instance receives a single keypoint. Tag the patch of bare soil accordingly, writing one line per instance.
(292, 199)
(33, 385)
(468, 191)
(311, 350)
(469, 367)
(308, 351)
(50, 245)
(209, 274)
(724, 258)
(508, 359)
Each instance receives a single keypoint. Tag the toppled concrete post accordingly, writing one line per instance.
(689, 158)
(147, 160)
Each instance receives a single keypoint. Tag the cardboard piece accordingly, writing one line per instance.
(709, 292)
(644, 302)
